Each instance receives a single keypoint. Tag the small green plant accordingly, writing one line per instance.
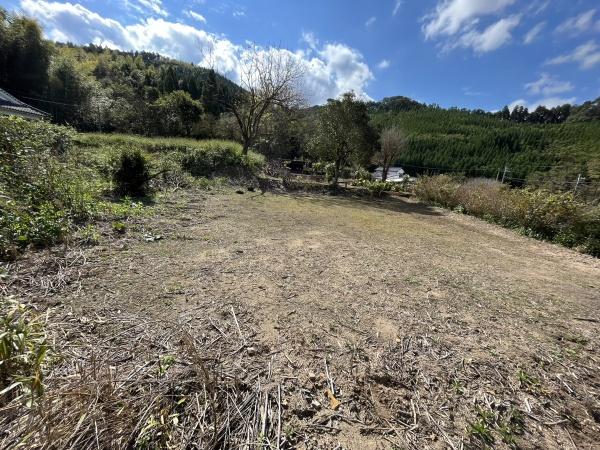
(512, 426)
(23, 350)
(526, 380)
(90, 234)
(131, 173)
(164, 363)
(458, 386)
(119, 227)
(481, 431)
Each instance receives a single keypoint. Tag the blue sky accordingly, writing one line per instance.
(466, 53)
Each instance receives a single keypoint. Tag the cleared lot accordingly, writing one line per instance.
(431, 329)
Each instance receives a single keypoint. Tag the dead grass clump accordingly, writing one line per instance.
(117, 394)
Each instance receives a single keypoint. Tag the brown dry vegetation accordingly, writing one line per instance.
(433, 329)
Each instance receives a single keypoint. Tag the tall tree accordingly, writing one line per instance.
(68, 90)
(268, 78)
(178, 113)
(393, 142)
(24, 55)
(343, 134)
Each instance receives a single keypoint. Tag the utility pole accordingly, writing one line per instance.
(504, 173)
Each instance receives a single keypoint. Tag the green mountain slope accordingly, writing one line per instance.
(482, 144)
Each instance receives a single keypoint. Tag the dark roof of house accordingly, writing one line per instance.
(12, 105)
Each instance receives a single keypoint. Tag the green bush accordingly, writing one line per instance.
(377, 187)
(363, 174)
(217, 157)
(41, 192)
(558, 217)
(131, 173)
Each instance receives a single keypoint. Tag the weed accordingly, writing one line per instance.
(89, 234)
(23, 350)
(481, 431)
(458, 386)
(526, 380)
(119, 227)
(513, 425)
(164, 363)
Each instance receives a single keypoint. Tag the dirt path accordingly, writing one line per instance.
(437, 330)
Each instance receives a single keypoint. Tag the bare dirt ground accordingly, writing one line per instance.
(431, 329)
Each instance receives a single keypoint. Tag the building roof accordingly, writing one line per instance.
(12, 105)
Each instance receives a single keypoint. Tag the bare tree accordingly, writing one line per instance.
(393, 142)
(268, 79)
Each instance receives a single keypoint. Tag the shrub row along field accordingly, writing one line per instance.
(560, 218)
(54, 181)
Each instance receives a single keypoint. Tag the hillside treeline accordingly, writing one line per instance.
(98, 89)
(482, 145)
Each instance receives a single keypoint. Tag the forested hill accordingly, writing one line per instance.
(480, 143)
(95, 88)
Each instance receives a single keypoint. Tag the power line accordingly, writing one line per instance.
(50, 101)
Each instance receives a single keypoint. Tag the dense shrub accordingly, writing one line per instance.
(219, 157)
(362, 174)
(131, 173)
(377, 187)
(200, 158)
(559, 217)
(39, 193)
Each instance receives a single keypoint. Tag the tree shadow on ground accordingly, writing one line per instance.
(389, 203)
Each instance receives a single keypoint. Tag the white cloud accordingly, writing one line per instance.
(551, 102)
(331, 68)
(580, 23)
(467, 90)
(397, 5)
(455, 16)
(532, 34)
(492, 38)
(370, 21)
(548, 85)
(337, 69)
(456, 23)
(146, 6)
(310, 38)
(383, 64)
(195, 16)
(548, 102)
(239, 13)
(519, 102)
(586, 55)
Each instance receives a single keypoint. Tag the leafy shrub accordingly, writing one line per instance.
(41, 192)
(363, 174)
(213, 157)
(23, 350)
(377, 187)
(131, 173)
(329, 169)
(558, 217)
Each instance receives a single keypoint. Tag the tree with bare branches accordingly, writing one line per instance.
(393, 142)
(269, 79)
